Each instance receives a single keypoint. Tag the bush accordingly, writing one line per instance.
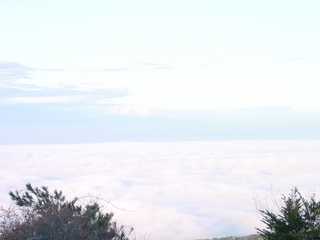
(37, 212)
(298, 219)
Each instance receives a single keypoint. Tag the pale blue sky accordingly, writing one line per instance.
(94, 71)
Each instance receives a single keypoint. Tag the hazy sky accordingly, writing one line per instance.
(94, 71)
(103, 71)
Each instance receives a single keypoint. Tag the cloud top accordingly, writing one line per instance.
(10, 71)
(180, 190)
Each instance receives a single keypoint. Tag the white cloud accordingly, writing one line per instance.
(181, 190)
(10, 71)
(52, 99)
(225, 86)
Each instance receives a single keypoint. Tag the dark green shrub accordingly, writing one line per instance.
(37, 212)
(298, 219)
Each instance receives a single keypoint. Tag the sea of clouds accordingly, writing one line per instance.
(172, 190)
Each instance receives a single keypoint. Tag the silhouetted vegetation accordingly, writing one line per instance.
(37, 212)
(298, 219)
(249, 237)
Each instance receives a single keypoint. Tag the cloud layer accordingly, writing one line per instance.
(109, 71)
(138, 102)
(180, 190)
(11, 71)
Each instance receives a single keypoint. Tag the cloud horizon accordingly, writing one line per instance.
(175, 190)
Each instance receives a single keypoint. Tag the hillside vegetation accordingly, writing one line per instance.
(37, 213)
(249, 237)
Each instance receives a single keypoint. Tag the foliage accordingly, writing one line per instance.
(37, 212)
(298, 219)
(249, 237)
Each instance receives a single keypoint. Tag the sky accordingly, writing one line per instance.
(97, 71)
(184, 110)
(170, 190)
